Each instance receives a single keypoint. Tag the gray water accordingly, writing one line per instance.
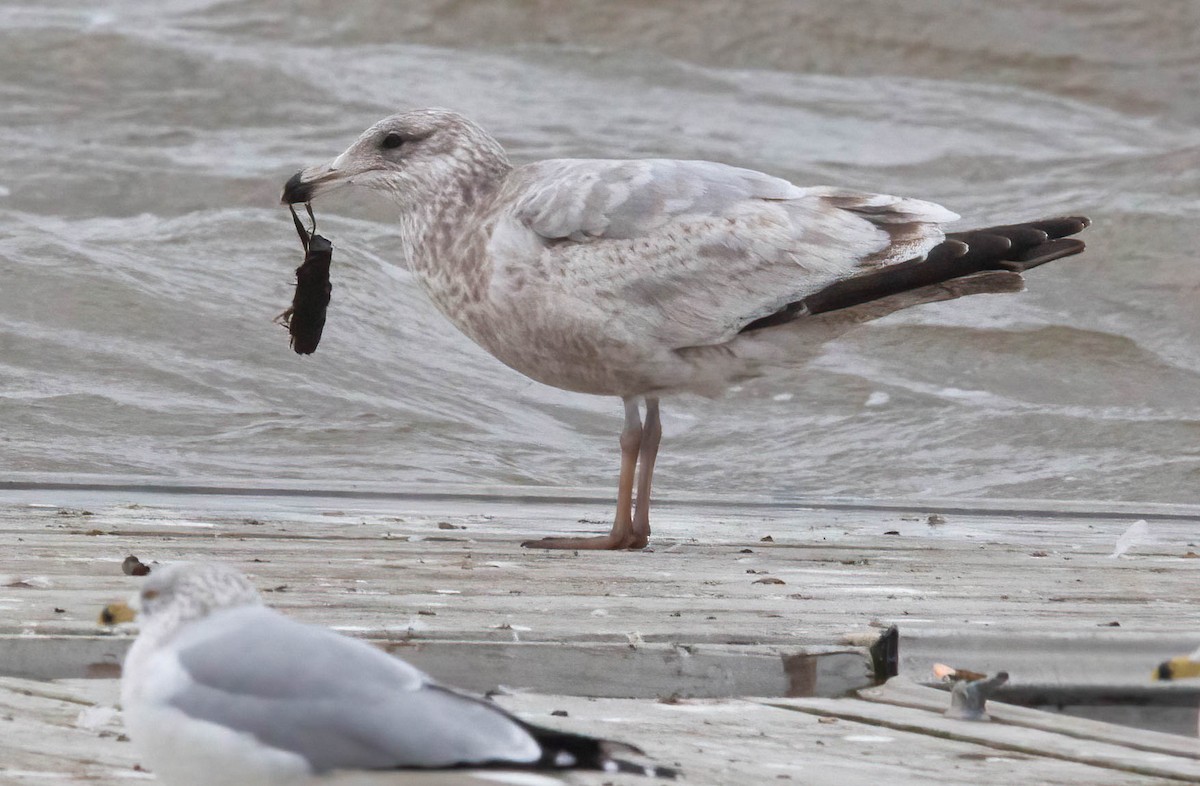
(143, 254)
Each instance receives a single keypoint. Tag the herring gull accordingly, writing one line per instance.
(644, 278)
(220, 689)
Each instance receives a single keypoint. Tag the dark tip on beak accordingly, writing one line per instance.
(1164, 670)
(296, 190)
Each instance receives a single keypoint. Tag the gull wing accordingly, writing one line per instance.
(689, 252)
(339, 703)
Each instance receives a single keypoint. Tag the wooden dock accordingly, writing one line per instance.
(737, 648)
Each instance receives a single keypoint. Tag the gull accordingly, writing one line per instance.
(651, 277)
(220, 689)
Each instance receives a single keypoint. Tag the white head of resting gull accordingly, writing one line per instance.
(643, 278)
(220, 689)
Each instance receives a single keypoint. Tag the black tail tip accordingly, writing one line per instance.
(647, 770)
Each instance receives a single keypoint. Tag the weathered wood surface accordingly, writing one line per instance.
(983, 591)
(441, 581)
(1004, 737)
(69, 732)
(905, 693)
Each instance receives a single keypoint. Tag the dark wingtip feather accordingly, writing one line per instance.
(646, 770)
(1013, 248)
(1063, 226)
(562, 750)
(1045, 252)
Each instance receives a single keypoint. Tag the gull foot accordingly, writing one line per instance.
(602, 543)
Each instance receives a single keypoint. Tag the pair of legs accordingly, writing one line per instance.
(639, 448)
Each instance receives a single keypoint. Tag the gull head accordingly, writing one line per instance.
(408, 156)
(190, 591)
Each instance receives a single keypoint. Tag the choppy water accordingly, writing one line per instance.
(143, 255)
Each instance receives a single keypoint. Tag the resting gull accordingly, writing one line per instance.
(219, 689)
(643, 278)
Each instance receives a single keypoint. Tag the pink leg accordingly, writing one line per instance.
(647, 453)
(622, 535)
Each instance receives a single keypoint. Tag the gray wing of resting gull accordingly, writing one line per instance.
(645, 278)
(334, 701)
(265, 699)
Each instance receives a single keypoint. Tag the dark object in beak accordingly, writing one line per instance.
(305, 320)
(296, 190)
(1164, 670)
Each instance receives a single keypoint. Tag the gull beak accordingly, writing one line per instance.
(308, 183)
(1177, 669)
(116, 613)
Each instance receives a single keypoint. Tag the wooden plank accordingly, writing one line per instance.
(1002, 737)
(375, 571)
(407, 576)
(50, 734)
(581, 668)
(1104, 656)
(714, 742)
(905, 693)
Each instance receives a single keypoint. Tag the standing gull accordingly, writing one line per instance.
(219, 689)
(643, 278)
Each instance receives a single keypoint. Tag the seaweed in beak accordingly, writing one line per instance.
(305, 320)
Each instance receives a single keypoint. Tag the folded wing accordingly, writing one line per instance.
(689, 252)
(337, 702)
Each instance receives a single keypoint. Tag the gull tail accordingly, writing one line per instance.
(562, 750)
(965, 263)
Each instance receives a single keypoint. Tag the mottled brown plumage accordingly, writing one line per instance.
(649, 277)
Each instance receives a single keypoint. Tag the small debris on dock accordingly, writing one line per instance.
(132, 566)
(115, 613)
(1136, 534)
(968, 699)
(950, 674)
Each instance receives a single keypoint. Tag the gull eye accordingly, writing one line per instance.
(392, 141)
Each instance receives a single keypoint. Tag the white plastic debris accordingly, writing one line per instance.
(1134, 535)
